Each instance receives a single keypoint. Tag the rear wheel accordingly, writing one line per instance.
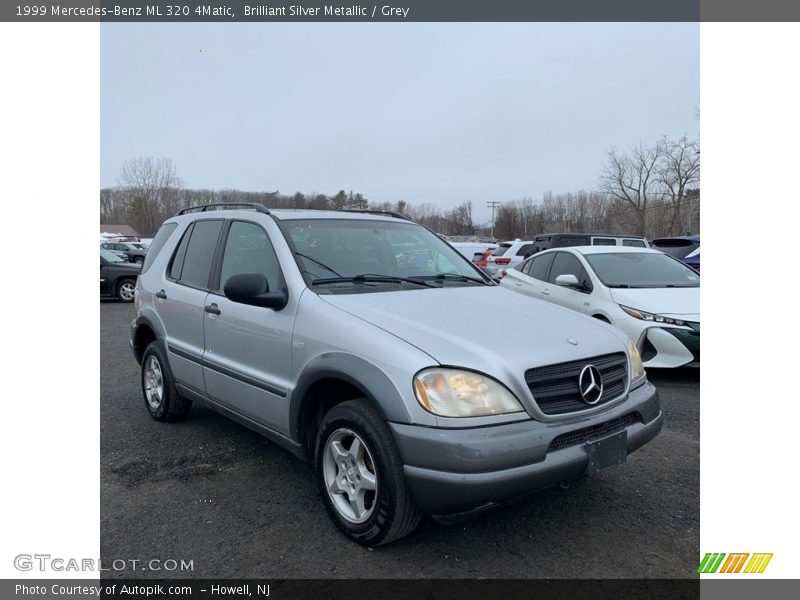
(360, 476)
(139, 260)
(126, 290)
(161, 398)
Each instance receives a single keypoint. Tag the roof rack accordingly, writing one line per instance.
(204, 207)
(388, 213)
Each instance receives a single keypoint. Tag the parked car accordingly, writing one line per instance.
(303, 326)
(693, 259)
(471, 249)
(117, 276)
(508, 255)
(481, 259)
(133, 251)
(652, 297)
(682, 247)
(546, 241)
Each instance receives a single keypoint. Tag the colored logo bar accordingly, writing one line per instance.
(719, 562)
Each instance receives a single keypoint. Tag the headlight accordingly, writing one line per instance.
(646, 316)
(457, 393)
(637, 367)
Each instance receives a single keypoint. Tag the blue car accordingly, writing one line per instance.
(685, 248)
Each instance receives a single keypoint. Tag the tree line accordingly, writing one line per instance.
(650, 189)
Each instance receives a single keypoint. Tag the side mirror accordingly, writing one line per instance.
(568, 280)
(253, 289)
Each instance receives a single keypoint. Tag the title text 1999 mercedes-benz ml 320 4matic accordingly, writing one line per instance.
(352, 340)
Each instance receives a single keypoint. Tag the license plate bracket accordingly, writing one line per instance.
(606, 452)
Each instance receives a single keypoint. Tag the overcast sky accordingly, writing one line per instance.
(418, 112)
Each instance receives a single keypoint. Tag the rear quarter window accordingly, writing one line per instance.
(164, 233)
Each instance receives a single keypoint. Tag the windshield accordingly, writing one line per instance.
(333, 251)
(641, 270)
(109, 256)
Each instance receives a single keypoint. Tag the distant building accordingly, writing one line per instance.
(118, 231)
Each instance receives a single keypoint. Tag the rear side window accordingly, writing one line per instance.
(571, 240)
(199, 253)
(634, 243)
(180, 254)
(565, 263)
(604, 242)
(539, 266)
(158, 242)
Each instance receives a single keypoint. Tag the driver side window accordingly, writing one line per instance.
(566, 263)
(248, 250)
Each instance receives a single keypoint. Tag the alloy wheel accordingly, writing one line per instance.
(126, 291)
(153, 382)
(350, 476)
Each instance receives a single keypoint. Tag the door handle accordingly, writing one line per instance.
(212, 309)
(546, 292)
(161, 294)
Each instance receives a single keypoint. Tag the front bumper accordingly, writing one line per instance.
(668, 347)
(459, 470)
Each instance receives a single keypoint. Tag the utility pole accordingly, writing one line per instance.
(493, 205)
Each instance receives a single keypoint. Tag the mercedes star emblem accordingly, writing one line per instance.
(590, 384)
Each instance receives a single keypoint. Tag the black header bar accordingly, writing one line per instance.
(399, 10)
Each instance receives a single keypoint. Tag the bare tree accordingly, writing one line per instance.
(633, 179)
(508, 222)
(678, 172)
(147, 182)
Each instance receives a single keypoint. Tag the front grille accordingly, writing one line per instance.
(579, 436)
(555, 387)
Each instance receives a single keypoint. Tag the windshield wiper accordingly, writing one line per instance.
(370, 278)
(458, 277)
(316, 262)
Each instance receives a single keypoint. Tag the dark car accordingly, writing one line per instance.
(685, 248)
(135, 252)
(117, 277)
(563, 240)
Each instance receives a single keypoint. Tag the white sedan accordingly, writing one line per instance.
(652, 297)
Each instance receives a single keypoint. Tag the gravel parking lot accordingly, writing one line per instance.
(211, 491)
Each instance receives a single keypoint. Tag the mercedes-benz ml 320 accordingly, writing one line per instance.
(352, 339)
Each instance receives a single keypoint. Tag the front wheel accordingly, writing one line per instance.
(360, 476)
(126, 290)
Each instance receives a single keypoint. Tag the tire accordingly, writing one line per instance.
(161, 398)
(139, 260)
(126, 289)
(390, 511)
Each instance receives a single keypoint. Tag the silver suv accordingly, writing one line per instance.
(354, 340)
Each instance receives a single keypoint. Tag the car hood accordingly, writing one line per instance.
(663, 301)
(127, 265)
(484, 328)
